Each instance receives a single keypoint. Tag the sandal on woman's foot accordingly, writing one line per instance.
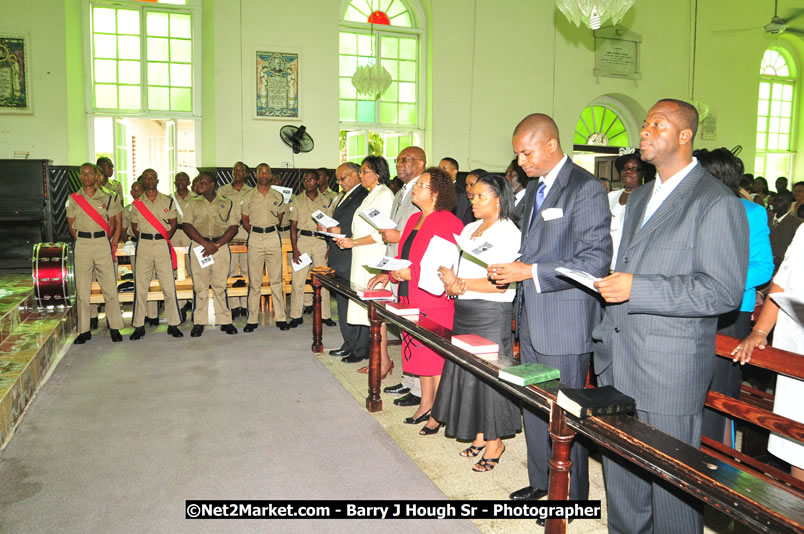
(472, 451)
(487, 464)
(427, 431)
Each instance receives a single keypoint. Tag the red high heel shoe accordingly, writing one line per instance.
(364, 370)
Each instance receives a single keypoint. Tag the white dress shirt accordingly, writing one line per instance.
(662, 190)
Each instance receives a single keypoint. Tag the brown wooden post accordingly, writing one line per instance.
(373, 401)
(318, 344)
(560, 464)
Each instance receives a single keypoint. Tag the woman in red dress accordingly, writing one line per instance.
(434, 194)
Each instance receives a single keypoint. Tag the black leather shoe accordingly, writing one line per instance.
(93, 323)
(83, 338)
(408, 400)
(115, 335)
(282, 325)
(329, 322)
(197, 330)
(308, 310)
(339, 352)
(139, 332)
(153, 321)
(542, 522)
(528, 493)
(397, 389)
(228, 328)
(250, 327)
(353, 358)
(174, 331)
(295, 322)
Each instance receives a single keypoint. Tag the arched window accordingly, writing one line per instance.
(600, 126)
(384, 32)
(777, 89)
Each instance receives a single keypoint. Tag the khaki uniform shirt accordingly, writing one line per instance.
(234, 195)
(163, 209)
(262, 210)
(211, 219)
(103, 203)
(181, 205)
(329, 193)
(302, 208)
(115, 189)
(126, 224)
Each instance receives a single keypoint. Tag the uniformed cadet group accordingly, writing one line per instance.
(205, 219)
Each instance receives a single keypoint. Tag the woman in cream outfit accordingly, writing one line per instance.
(366, 242)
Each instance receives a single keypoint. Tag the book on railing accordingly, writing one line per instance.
(529, 373)
(475, 344)
(606, 400)
(402, 310)
(375, 294)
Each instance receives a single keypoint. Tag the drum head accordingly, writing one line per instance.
(53, 274)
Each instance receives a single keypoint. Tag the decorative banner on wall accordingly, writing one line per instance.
(277, 85)
(15, 90)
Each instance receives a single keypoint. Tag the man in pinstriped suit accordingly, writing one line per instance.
(682, 262)
(565, 223)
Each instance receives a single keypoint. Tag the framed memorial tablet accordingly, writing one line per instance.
(277, 84)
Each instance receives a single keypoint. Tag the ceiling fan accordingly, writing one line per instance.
(777, 24)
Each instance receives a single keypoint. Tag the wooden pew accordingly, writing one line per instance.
(736, 491)
(184, 283)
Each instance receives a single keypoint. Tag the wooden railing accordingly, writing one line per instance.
(737, 492)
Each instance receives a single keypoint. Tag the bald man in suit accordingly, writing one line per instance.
(682, 262)
(565, 223)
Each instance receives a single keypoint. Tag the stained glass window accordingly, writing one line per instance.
(600, 125)
(777, 88)
(386, 12)
(141, 59)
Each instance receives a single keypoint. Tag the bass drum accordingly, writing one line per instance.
(53, 274)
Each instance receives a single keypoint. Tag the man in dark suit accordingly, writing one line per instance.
(566, 224)
(450, 166)
(346, 203)
(783, 225)
(682, 262)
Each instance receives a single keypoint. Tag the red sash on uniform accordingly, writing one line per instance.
(157, 224)
(90, 210)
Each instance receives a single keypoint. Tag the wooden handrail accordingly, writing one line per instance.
(773, 359)
(763, 506)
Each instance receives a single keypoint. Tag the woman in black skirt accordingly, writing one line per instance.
(471, 408)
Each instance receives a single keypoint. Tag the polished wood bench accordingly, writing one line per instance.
(184, 283)
(763, 505)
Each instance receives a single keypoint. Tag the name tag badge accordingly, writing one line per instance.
(552, 213)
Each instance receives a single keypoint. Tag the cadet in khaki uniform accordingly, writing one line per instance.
(127, 234)
(93, 253)
(239, 265)
(261, 210)
(327, 193)
(103, 171)
(153, 256)
(210, 221)
(284, 220)
(303, 239)
(181, 197)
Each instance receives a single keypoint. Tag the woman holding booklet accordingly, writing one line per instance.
(471, 409)
(434, 194)
(374, 177)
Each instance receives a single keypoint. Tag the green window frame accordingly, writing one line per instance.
(601, 126)
(775, 114)
(141, 59)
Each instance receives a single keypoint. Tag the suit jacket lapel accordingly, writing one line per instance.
(555, 193)
(677, 201)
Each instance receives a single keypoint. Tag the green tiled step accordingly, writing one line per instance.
(26, 356)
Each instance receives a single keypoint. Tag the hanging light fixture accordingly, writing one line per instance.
(371, 80)
(593, 13)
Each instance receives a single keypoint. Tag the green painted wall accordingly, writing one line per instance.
(488, 65)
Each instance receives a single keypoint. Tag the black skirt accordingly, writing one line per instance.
(469, 405)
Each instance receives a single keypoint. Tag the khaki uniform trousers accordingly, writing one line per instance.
(239, 267)
(217, 277)
(180, 239)
(153, 258)
(317, 249)
(93, 257)
(265, 249)
(151, 307)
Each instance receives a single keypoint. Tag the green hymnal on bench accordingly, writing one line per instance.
(593, 402)
(529, 373)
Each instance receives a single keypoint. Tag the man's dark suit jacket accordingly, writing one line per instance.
(781, 235)
(341, 260)
(462, 207)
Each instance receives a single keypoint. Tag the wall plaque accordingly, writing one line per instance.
(617, 53)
